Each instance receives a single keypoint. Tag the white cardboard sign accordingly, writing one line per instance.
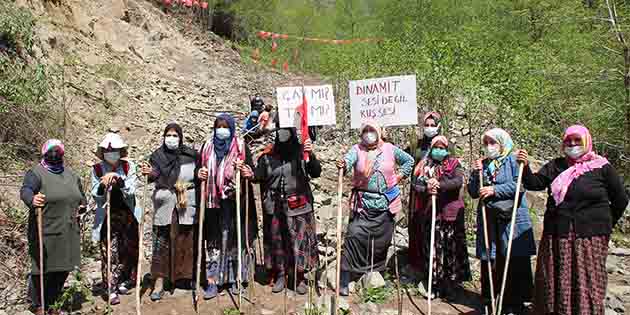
(320, 101)
(389, 101)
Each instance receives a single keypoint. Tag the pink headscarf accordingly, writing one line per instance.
(588, 162)
(52, 156)
(439, 139)
(433, 115)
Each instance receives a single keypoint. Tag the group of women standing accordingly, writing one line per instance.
(586, 199)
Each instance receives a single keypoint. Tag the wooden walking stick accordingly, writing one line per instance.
(248, 250)
(40, 236)
(238, 238)
(339, 223)
(140, 247)
(109, 250)
(431, 248)
(512, 223)
(399, 294)
(202, 212)
(487, 243)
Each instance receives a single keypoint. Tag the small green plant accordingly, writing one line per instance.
(344, 311)
(374, 295)
(113, 71)
(78, 292)
(314, 310)
(231, 311)
(16, 215)
(411, 288)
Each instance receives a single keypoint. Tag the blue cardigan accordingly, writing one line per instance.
(505, 188)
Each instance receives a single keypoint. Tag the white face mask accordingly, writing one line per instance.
(574, 152)
(222, 133)
(430, 132)
(370, 138)
(171, 142)
(111, 157)
(493, 151)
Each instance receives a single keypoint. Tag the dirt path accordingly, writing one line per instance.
(268, 303)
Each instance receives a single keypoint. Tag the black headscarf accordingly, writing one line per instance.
(169, 161)
(289, 151)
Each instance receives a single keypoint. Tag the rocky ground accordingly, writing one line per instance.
(132, 68)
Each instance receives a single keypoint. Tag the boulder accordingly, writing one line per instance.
(372, 280)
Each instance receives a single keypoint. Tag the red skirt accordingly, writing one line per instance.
(571, 275)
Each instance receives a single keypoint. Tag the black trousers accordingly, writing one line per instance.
(53, 288)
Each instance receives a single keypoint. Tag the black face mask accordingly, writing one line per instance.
(283, 135)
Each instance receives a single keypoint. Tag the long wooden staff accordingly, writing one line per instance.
(512, 224)
(109, 250)
(40, 236)
(202, 212)
(399, 294)
(339, 223)
(431, 249)
(238, 237)
(487, 243)
(248, 250)
(141, 247)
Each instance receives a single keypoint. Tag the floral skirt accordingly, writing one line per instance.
(571, 275)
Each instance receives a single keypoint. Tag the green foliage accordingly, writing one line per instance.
(375, 295)
(26, 112)
(77, 293)
(342, 311)
(314, 310)
(530, 66)
(21, 84)
(231, 311)
(113, 71)
(16, 25)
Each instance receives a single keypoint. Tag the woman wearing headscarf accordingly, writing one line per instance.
(289, 226)
(417, 222)
(58, 192)
(586, 200)
(221, 157)
(252, 128)
(116, 174)
(440, 174)
(375, 201)
(431, 123)
(172, 168)
(500, 174)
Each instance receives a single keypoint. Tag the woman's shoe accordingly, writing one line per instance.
(210, 291)
(124, 287)
(114, 299)
(279, 284)
(158, 290)
(301, 288)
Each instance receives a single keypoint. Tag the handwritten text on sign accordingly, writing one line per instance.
(320, 100)
(389, 101)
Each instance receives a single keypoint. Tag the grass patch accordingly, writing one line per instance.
(231, 311)
(113, 71)
(375, 295)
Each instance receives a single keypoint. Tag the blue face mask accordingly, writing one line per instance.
(439, 154)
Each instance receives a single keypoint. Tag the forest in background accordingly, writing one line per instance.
(533, 67)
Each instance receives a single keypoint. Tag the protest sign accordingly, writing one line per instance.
(389, 101)
(320, 100)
